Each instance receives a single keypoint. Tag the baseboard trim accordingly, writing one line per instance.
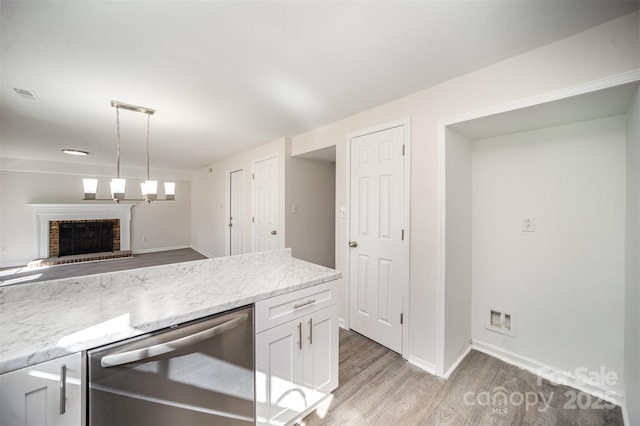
(422, 364)
(342, 323)
(457, 363)
(202, 252)
(153, 250)
(552, 374)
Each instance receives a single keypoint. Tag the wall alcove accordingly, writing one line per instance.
(566, 164)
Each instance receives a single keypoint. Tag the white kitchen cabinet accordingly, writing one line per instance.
(46, 394)
(279, 377)
(320, 347)
(297, 360)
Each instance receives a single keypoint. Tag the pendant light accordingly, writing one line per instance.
(117, 184)
(149, 188)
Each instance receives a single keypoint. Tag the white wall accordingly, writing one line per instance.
(209, 206)
(564, 283)
(600, 52)
(458, 247)
(165, 224)
(632, 285)
(310, 186)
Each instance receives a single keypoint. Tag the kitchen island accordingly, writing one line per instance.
(50, 319)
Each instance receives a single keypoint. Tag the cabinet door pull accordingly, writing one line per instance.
(300, 305)
(300, 335)
(63, 388)
(311, 331)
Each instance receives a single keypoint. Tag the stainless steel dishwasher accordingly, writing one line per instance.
(199, 373)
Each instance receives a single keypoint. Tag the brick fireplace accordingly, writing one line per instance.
(91, 232)
(50, 218)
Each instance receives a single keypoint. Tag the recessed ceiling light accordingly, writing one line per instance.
(26, 94)
(74, 152)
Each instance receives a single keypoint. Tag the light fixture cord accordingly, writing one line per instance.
(118, 142)
(148, 129)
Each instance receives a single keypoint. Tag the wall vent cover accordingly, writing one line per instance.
(501, 321)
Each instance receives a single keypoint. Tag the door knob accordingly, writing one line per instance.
(353, 244)
(274, 232)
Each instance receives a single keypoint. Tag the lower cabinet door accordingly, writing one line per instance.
(44, 394)
(280, 395)
(296, 366)
(321, 353)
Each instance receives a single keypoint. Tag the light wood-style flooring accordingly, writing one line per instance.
(379, 388)
(27, 275)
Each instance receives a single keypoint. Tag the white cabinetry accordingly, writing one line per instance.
(296, 352)
(44, 394)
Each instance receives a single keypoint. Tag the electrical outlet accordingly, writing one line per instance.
(528, 224)
(294, 208)
(342, 212)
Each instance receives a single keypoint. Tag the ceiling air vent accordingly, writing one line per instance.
(26, 94)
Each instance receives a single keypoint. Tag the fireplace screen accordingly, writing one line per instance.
(85, 237)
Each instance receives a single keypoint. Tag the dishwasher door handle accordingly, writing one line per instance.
(141, 354)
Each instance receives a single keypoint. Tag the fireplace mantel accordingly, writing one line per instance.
(44, 213)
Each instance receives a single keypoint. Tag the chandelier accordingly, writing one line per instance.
(149, 187)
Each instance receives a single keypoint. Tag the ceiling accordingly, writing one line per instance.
(227, 76)
(602, 103)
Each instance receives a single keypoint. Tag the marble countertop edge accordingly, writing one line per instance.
(295, 275)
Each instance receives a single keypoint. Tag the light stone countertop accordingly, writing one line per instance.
(45, 320)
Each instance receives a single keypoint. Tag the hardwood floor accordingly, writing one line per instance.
(378, 388)
(22, 274)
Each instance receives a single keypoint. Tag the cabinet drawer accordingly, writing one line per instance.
(286, 307)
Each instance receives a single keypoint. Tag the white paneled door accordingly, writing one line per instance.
(266, 214)
(376, 236)
(235, 212)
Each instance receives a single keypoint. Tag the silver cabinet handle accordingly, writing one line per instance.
(311, 331)
(353, 244)
(300, 335)
(136, 355)
(63, 388)
(300, 305)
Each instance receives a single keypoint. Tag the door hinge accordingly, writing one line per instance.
(401, 318)
(253, 219)
(403, 150)
(403, 235)
(253, 176)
